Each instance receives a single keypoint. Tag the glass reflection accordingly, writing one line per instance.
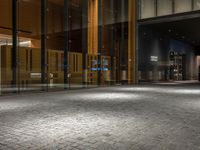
(64, 44)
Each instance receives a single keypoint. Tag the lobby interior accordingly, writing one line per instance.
(61, 44)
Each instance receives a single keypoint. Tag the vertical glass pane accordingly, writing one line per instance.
(29, 49)
(147, 8)
(164, 7)
(196, 4)
(93, 32)
(75, 56)
(183, 6)
(106, 43)
(55, 44)
(109, 40)
(119, 59)
(6, 46)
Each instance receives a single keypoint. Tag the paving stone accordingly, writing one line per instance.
(141, 117)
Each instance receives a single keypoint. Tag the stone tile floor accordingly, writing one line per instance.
(142, 117)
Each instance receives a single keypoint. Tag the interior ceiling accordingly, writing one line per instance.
(185, 30)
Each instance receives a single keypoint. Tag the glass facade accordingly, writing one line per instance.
(154, 8)
(63, 44)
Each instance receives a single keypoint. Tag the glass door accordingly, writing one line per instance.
(77, 22)
(7, 80)
(28, 54)
(56, 44)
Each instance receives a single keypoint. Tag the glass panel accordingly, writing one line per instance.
(84, 42)
(147, 8)
(75, 56)
(164, 7)
(6, 47)
(123, 44)
(29, 50)
(183, 6)
(106, 42)
(110, 75)
(196, 4)
(55, 44)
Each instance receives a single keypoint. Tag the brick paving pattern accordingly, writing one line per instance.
(142, 117)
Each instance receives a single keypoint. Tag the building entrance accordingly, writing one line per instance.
(66, 44)
(169, 49)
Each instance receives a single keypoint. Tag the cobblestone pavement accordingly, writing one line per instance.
(142, 117)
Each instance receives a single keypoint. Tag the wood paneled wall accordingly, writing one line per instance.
(132, 69)
(93, 27)
(29, 18)
(29, 62)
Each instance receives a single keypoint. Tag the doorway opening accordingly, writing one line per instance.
(169, 50)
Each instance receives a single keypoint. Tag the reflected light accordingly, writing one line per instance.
(18, 105)
(160, 90)
(186, 91)
(109, 96)
(137, 89)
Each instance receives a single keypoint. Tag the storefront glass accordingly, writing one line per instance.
(55, 43)
(65, 44)
(28, 46)
(6, 71)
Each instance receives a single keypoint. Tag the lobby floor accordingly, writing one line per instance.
(142, 117)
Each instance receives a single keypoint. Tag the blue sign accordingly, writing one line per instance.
(99, 69)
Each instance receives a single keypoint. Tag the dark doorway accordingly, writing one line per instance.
(169, 49)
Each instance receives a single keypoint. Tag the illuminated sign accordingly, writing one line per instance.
(99, 69)
(35, 75)
(154, 58)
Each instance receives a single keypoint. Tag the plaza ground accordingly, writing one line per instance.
(140, 117)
